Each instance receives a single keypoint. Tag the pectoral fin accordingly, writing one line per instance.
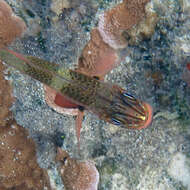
(79, 126)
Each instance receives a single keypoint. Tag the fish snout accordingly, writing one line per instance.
(131, 113)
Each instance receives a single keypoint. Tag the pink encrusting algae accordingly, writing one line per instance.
(77, 175)
(122, 17)
(97, 58)
(11, 26)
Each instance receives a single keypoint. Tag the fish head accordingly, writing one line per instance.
(129, 112)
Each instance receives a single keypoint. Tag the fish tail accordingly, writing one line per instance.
(41, 70)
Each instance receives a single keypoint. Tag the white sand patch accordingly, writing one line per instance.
(119, 182)
(179, 169)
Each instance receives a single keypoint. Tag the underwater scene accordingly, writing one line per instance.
(94, 94)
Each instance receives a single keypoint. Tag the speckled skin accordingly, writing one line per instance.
(110, 102)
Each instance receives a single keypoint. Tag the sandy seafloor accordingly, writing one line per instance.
(157, 158)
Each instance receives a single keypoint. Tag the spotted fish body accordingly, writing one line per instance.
(110, 102)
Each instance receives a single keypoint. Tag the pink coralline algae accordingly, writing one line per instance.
(11, 26)
(114, 22)
(77, 175)
(97, 58)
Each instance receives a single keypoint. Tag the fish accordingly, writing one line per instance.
(109, 102)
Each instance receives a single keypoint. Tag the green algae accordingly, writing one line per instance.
(107, 170)
(42, 42)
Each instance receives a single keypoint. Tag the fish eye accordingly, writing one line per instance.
(115, 121)
(128, 96)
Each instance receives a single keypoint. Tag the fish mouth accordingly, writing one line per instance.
(129, 112)
(136, 115)
(148, 117)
